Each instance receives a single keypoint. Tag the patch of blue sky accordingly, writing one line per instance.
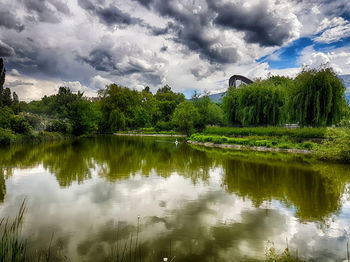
(319, 46)
(287, 57)
(189, 93)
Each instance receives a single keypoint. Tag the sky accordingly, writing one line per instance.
(187, 44)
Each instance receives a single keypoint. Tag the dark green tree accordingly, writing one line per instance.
(6, 97)
(2, 80)
(209, 112)
(261, 103)
(318, 98)
(167, 101)
(185, 117)
(124, 101)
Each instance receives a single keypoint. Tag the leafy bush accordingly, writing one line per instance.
(6, 114)
(20, 125)
(185, 117)
(6, 136)
(337, 145)
(33, 120)
(61, 126)
(307, 145)
(163, 126)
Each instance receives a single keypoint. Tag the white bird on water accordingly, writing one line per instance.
(176, 142)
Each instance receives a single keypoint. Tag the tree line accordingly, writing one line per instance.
(313, 98)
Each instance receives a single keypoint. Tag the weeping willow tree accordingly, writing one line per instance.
(261, 103)
(318, 98)
(314, 98)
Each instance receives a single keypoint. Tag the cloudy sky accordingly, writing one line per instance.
(188, 44)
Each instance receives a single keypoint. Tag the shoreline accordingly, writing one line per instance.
(140, 134)
(251, 148)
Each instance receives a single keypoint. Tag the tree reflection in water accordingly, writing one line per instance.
(248, 185)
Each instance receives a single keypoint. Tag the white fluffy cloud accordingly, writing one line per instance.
(339, 61)
(333, 30)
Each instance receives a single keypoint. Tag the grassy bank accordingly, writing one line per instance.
(8, 137)
(333, 143)
(254, 141)
(300, 133)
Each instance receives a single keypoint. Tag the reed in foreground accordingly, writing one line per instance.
(12, 247)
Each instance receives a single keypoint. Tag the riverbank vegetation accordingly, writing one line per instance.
(313, 102)
(254, 141)
(297, 133)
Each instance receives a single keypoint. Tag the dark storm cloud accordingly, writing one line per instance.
(9, 20)
(123, 60)
(110, 15)
(191, 30)
(201, 72)
(49, 11)
(112, 60)
(260, 26)
(100, 59)
(6, 50)
(163, 48)
(35, 59)
(151, 79)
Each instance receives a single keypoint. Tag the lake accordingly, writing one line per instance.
(144, 198)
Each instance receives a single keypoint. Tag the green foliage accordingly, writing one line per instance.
(117, 105)
(270, 142)
(62, 126)
(185, 117)
(85, 117)
(142, 117)
(167, 101)
(163, 126)
(215, 115)
(6, 136)
(261, 103)
(313, 98)
(6, 114)
(34, 120)
(305, 132)
(123, 108)
(20, 125)
(12, 247)
(6, 97)
(318, 98)
(116, 120)
(78, 115)
(272, 255)
(209, 112)
(336, 147)
(2, 74)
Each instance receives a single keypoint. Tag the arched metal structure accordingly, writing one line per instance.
(234, 78)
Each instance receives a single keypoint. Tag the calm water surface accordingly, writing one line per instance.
(97, 197)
